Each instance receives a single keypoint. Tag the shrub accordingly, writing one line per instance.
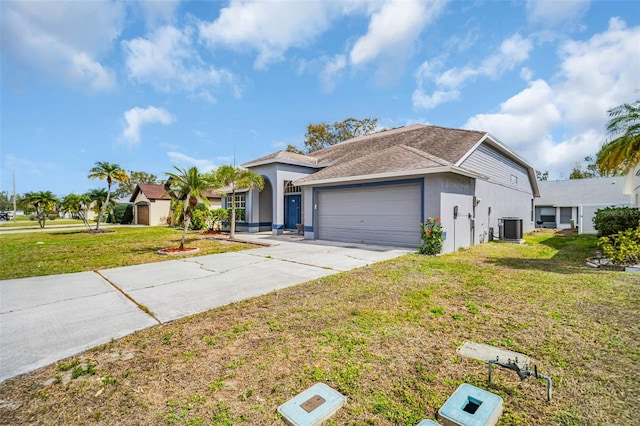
(432, 237)
(200, 219)
(613, 220)
(217, 217)
(123, 214)
(623, 247)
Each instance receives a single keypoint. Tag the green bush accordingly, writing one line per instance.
(432, 237)
(200, 219)
(122, 214)
(217, 217)
(623, 247)
(613, 220)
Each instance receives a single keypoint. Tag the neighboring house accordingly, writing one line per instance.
(632, 186)
(151, 204)
(564, 203)
(377, 189)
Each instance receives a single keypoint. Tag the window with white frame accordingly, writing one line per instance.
(290, 188)
(240, 204)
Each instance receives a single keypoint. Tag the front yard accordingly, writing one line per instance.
(59, 252)
(385, 336)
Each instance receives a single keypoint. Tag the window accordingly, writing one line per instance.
(290, 188)
(240, 206)
(514, 179)
(565, 215)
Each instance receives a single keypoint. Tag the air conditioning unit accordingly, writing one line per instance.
(510, 228)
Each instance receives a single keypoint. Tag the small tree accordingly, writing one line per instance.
(188, 187)
(233, 179)
(110, 172)
(44, 203)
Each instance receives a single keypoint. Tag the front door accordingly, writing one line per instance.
(293, 212)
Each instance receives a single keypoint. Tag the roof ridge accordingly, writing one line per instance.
(424, 154)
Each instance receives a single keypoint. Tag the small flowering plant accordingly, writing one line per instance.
(432, 237)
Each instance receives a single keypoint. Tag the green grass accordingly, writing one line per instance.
(58, 252)
(385, 336)
(25, 222)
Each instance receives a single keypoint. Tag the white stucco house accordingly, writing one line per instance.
(377, 189)
(632, 186)
(564, 203)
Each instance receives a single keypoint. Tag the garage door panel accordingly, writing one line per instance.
(376, 215)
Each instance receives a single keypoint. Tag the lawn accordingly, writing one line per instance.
(58, 252)
(384, 335)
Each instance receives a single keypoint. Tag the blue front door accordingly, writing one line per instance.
(292, 213)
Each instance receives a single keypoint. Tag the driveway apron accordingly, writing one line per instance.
(46, 319)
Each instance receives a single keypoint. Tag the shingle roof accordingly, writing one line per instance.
(573, 192)
(406, 148)
(284, 157)
(157, 192)
(392, 159)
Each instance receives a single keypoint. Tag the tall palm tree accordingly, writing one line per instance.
(44, 202)
(188, 187)
(622, 153)
(233, 179)
(110, 172)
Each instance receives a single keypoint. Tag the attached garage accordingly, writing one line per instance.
(386, 214)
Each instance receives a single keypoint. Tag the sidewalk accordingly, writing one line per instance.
(45, 319)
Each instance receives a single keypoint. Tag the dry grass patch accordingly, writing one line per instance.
(385, 336)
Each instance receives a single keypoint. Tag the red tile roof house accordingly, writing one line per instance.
(151, 204)
(378, 188)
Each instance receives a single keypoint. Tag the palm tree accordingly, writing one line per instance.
(76, 205)
(99, 199)
(44, 202)
(622, 153)
(233, 179)
(110, 172)
(188, 187)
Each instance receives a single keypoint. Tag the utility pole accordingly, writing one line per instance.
(14, 198)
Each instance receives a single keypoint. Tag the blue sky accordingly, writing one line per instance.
(161, 83)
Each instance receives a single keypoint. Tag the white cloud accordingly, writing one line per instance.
(138, 117)
(513, 51)
(562, 123)
(331, 72)
(63, 38)
(158, 11)
(393, 29)
(168, 61)
(203, 165)
(553, 13)
(270, 28)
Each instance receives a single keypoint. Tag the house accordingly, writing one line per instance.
(574, 202)
(151, 204)
(378, 188)
(632, 186)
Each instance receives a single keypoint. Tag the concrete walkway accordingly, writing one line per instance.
(45, 319)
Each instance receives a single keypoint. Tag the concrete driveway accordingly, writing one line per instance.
(45, 319)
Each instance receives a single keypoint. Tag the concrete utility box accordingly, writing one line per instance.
(428, 422)
(471, 406)
(312, 407)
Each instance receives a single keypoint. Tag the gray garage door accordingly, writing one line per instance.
(388, 215)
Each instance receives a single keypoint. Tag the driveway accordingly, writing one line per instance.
(46, 319)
